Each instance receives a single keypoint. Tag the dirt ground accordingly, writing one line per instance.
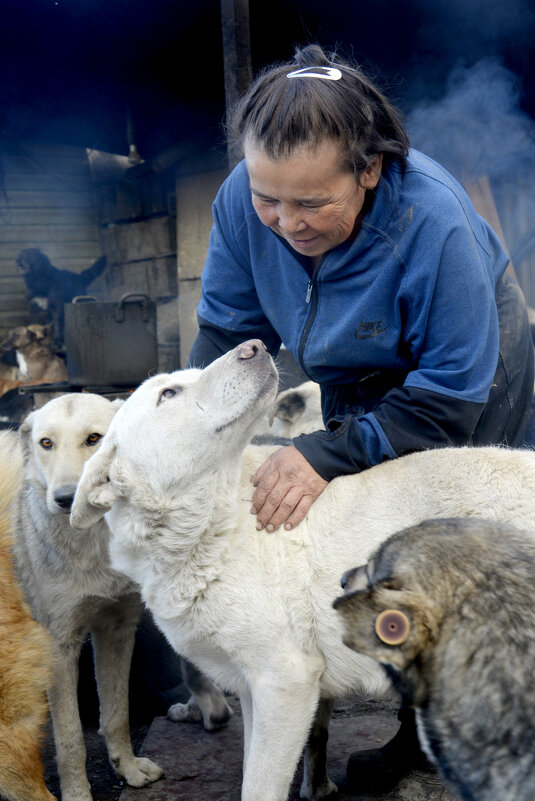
(105, 784)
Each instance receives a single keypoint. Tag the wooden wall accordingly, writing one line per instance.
(46, 202)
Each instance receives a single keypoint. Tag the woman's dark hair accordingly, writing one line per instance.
(279, 114)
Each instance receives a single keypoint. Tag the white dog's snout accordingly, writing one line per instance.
(249, 349)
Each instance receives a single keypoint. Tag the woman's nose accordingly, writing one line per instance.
(290, 220)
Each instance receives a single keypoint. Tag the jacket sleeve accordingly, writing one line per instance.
(452, 329)
(212, 342)
(408, 419)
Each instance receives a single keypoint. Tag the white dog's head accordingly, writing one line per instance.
(176, 427)
(58, 439)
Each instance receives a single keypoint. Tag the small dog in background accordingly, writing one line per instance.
(26, 661)
(37, 361)
(448, 608)
(49, 288)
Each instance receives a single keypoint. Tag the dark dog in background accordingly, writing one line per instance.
(448, 608)
(49, 287)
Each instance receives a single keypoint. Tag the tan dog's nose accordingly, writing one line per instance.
(249, 349)
(392, 626)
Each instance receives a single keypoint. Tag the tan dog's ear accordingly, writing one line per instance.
(95, 494)
(36, 331)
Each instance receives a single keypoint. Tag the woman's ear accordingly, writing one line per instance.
(369, 177)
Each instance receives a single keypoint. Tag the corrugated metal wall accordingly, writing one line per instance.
(46, 202)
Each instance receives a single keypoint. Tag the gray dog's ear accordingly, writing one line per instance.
(95, 494)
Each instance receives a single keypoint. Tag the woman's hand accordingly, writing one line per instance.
(286, 486)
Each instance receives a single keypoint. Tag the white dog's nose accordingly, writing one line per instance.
(249, 349)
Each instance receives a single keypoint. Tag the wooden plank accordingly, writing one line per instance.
(48, 233)
(13, 303)
(56, 251)
(12, 285)
(51, 216)
(39, 150)
(24, 165)
(480, 193)
(69, 261)
(46, 182)
(236, 54)
(137, 241)
(37, 200)
(155, 277)
(11, 319)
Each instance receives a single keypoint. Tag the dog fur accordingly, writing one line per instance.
(71, 588)
(467, 589)
(26, 661)
(297, 411)
(49, 288)
(36, 358)
(252, 610)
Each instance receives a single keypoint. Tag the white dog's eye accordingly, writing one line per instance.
(93, 439)
(45, 443)
(169, 392)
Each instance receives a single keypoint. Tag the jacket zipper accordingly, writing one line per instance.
(311, 299)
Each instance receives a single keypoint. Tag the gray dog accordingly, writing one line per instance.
(448, 608)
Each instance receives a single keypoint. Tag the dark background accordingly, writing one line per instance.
(70, 68)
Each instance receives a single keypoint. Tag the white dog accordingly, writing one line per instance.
(72, 589)
(254, 610)
(296, 411)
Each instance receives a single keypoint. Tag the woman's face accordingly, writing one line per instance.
(309, 198)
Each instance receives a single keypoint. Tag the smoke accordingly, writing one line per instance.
(477, 129)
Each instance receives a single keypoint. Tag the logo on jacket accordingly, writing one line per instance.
(368, 330)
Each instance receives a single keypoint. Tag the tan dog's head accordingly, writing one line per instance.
(22, 336)
(59, 438)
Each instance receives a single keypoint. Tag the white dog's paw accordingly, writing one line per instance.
(324, 790)
(215, 714)
(141, 771)
(185, 713)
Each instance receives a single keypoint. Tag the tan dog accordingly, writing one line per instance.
(25, 660)
(72, 589)
(36, 358)
(448, 608)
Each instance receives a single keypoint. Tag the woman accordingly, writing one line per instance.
(370, 263)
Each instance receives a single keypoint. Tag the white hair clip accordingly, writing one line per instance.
(327, 73)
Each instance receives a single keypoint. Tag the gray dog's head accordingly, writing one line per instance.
(428, 583)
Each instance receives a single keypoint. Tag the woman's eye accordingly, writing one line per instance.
(93, 439)
(45, 443)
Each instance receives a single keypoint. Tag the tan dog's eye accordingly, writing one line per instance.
(93, 439)
(392, 626)
(45, 443)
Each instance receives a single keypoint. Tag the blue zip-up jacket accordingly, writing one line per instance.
(399, 326)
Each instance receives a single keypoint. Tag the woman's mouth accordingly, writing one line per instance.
(302, 243)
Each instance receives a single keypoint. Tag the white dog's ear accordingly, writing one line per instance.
(94, 494)
(25, 436)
